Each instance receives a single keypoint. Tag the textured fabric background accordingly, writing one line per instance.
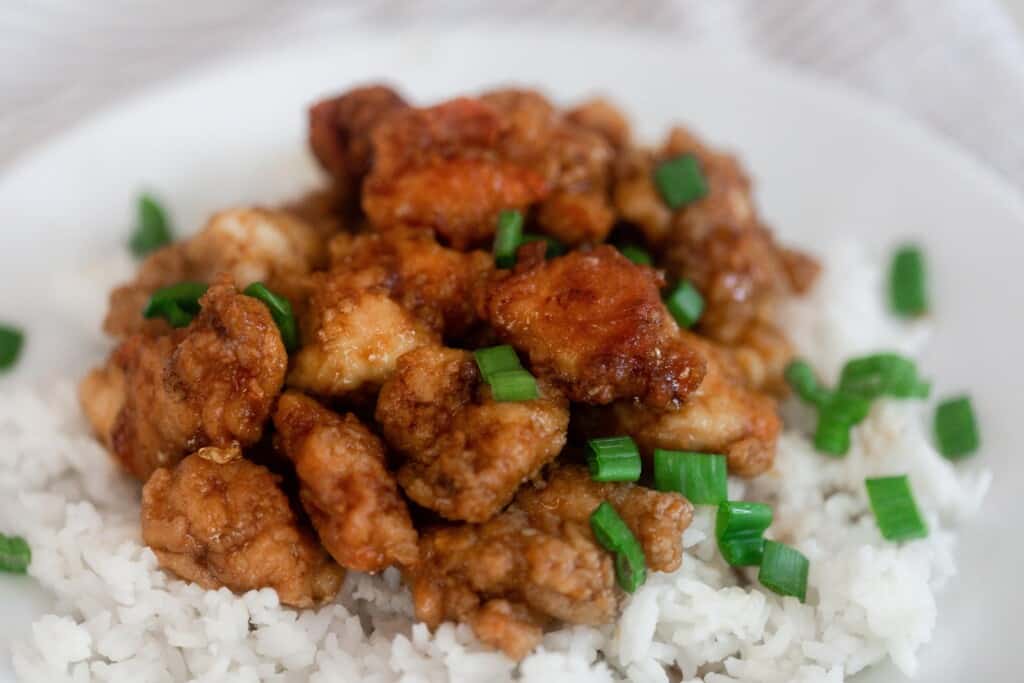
(956, 64)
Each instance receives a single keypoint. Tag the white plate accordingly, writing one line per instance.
(827, 163)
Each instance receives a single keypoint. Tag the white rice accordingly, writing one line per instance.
(119, 618)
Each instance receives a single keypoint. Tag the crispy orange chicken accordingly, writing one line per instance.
(466, 454)
(345, 486)
(212, 383)
(219, 520)
(251, 244)
(593, 323)
(724, 415)
(538, 560)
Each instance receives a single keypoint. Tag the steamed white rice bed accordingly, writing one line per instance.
(119, 618)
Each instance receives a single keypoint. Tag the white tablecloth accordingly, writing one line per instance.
(956, 64)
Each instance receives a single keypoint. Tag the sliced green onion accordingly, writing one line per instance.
(956, 428)
(907, 282)
(801, 378)
(614, 458)
(680, 181)
(739, 527)
(881, 374)
(513, 385)
(280, 310)
(496, 359)
(784, 570)
(15, 555)
(11, 341)
(614, 536)
(177, 304)
(508, 238)
(152, 231)
(701, 477)
(685, 304)
(636, 254)
(555, 248)
(832, 436)
(895, 510)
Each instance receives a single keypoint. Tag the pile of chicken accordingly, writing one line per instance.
(377, 443)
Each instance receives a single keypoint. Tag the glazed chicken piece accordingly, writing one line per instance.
(603, 118)
(352, 333)
(339, 132)
(724, 415)
(718, 243)
(455, 166)
(210, 384)
(251, 244)
(538, 561)
(437, 285)
(352, 499)
(221, 521)
(466, 454)
(593, 323)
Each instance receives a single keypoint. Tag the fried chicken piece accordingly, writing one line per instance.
(436, 284)
(352, 333)
(325, 210)
(340, 128)
(657, 519)
(538, 560)
(466, 454)
(594, 324)
(210, 384)
(251, 244)
(345, 486)
(453, 167)
(604, 118)
(723, 415)
(221, 521)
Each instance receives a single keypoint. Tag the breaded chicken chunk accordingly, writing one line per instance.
(724, 415)
(602, 117)
(212, 383)
(345, 486)
(434, 283)
(250, 244)
(538, 560)
(220, 520)
(465, 454)
(593, 323)
(352, 333)
(340, 127)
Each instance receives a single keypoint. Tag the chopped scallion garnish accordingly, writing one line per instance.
(614, 458)
(152, 231)
(907, 282)
(11, 341)
(956, 428)
(784, 570)
(555, 248)
(701, 477)
(496, 359)
(508, 238)
(15, 555)
(177, 304)
(801, 378)
(280, 310)
(739, 527)
(680, 180)
(513, 385)
(636, 254)
(615, 536)
(895, 510)
(882, 374)
(685, 304)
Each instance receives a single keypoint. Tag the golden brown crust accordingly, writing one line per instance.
(465, 453)
(593, 323)
(228, 524)
(352, 499)
(210, 384)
